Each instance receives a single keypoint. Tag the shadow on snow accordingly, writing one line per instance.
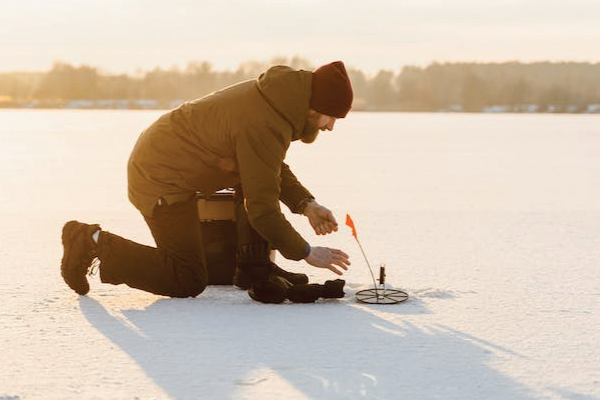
(332, 350)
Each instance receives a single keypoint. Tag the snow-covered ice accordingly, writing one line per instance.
(490, 222)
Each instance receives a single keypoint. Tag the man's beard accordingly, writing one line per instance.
(309, 135)
(310, 131)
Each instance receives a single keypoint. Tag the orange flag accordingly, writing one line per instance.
(350, 223)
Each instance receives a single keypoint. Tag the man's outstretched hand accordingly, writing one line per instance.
(320, 218)
(332, 259)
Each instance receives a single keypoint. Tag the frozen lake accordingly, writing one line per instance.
(490, 222)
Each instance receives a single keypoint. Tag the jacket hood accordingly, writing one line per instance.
(288, 91)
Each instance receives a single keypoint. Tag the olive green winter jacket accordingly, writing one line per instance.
(236, 135)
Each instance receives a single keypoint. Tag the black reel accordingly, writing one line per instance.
(381, 295)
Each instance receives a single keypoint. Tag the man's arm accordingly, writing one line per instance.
(293, 194)
(260, 155)
(301, 201)
(320, 218)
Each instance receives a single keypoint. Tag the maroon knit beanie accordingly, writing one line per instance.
(331, 90)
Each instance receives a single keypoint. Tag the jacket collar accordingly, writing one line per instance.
(288, 91)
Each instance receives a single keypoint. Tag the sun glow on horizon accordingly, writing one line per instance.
(123, 36)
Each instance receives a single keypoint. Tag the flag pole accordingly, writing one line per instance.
(350, 223)
(368, 265)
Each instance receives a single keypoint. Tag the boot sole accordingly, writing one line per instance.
(70, 235)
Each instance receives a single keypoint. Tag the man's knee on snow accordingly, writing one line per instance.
(191, 288)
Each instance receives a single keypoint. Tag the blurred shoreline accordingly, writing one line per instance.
(506, 87)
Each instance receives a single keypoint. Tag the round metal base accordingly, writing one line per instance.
(381, 296)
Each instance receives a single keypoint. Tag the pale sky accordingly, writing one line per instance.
(128, 35)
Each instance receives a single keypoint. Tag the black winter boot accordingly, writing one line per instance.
(247, 274)
(276, 289)
(79, 253)
(294, 278)
(312, 292)
(273, 290)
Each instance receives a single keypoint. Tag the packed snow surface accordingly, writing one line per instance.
(491, 223)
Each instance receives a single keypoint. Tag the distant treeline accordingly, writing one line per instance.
(472, 87)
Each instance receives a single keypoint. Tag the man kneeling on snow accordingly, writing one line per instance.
(236, 137)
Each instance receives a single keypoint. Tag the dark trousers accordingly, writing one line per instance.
(176, 267)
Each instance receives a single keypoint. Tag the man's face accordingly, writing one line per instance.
(316, 122)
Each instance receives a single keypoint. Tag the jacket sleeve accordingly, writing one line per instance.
(260, 155)
(293, 193)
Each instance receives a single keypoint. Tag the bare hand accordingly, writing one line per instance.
(324, 257)
(320, 218)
